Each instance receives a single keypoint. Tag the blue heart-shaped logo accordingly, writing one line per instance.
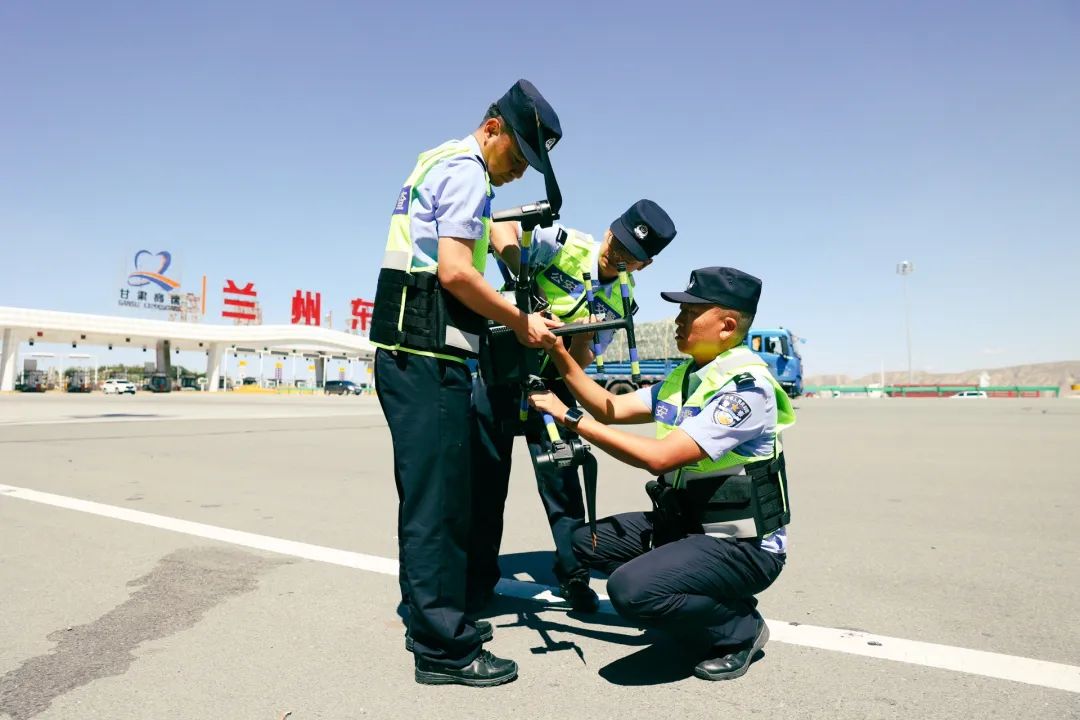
(150, 268)
(144, 261)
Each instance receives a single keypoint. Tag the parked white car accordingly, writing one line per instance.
(114, 386)
(971, 395)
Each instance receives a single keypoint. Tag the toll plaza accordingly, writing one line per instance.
(19, 326)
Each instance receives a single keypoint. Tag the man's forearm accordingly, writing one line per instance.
(511, 257)
(470, 287)
(504, 242)
(641, 452)
(592, 397)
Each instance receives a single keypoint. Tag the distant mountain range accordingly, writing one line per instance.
(1056, 373)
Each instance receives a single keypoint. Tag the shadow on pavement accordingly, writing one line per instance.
(661, 659)
(664, 662)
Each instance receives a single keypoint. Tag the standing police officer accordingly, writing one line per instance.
(716, 535)
(432, 304)
(559, 258)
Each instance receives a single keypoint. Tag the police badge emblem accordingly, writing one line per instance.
(731, 410)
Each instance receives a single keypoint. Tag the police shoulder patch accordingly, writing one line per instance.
(731, 410)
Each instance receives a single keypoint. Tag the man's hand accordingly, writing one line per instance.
(535, 331)
(546, 401)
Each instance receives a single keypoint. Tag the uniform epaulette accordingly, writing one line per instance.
(743, 380)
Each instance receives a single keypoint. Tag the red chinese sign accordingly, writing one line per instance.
(307, 310)
(239, 301)
(361, 314)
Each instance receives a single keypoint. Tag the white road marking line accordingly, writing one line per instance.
(973, 662)
(235, 537)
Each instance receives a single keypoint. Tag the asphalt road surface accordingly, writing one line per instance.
(231, 556)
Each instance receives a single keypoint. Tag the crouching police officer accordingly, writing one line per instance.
(560, 258)
(430, 310)
(716, 536)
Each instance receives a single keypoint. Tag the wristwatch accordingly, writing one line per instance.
(573, 417)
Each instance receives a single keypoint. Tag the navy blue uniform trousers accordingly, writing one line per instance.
(560, 489)
(427, 404)
(697, 585)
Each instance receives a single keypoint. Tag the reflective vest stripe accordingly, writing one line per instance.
(397, 260)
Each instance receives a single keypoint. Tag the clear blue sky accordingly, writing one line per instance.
(813, 144)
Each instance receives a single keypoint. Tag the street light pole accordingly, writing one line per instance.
(903, 269)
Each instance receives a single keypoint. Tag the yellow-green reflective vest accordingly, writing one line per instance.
(563, 281)
(671, 409)
(392, 315)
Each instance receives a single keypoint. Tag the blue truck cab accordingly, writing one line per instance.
(780, 349)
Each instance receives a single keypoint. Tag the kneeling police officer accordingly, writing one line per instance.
(716, 536)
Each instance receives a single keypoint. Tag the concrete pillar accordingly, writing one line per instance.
(213, 367)
(320, 371)
(9, 356)
(164, 359)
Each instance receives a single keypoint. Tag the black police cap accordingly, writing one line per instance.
(522, 107)
(645, 229)
(723, 286)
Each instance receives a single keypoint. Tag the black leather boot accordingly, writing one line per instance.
(485, 671)
(735, 663)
